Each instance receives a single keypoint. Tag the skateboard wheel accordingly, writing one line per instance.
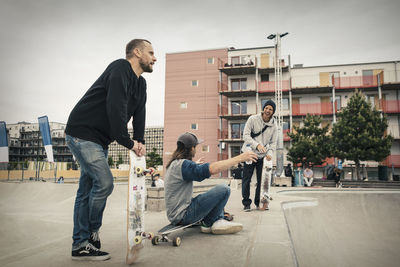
(138, 170)
(155, 240)
(177, 241)
(150, 235)
(137, 240)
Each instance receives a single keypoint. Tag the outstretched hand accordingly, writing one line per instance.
(248, 155)
(261, 148)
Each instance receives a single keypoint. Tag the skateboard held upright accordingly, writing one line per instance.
(266, 183)
(136, 205)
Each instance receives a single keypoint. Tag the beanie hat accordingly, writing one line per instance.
(270, 103)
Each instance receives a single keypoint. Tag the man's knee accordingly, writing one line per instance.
(105, 189)
(223, 189)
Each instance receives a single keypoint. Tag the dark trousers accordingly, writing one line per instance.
(247, 174)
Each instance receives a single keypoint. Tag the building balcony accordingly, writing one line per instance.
(242, 67)
(224, 136)
(268, 66)
(222, 156)
(391, 106)
(223, 113)
(322, 81)
(224, 89)
(269, 87)
(312, 109)
(355, 82)
(392, 160)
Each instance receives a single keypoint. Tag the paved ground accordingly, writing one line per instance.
(321, 228)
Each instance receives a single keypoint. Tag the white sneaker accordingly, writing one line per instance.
(222, 226)
(205, 229)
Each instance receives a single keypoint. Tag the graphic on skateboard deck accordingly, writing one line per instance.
(136, 234)
(163, 233)
(266, 181)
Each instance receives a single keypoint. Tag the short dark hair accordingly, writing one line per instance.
(132, 45)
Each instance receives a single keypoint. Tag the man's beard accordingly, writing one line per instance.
(145, 67)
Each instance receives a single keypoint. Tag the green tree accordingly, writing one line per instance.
(153, 159)
(120, 161)
(310, 143)
(359, 133)
(110, 161)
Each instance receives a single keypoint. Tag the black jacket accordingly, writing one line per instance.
(102, 114)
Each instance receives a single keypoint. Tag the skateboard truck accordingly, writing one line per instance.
(140, 171)
(138, 239)
(176, 241)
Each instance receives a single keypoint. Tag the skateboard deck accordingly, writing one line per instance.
(136, 234)
(266, 180)
(163, 233)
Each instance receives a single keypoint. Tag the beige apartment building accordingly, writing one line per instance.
(212, 93)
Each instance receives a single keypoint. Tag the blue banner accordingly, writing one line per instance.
(46, 136)
(3, 134)
(3, 142)
(45, 130)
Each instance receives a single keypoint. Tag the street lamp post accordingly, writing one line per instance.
(278, 99)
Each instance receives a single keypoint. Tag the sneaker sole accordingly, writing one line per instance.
(230, 230)
(91, 258)
(206, 231)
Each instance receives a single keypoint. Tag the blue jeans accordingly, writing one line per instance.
(208, 207)
(95, 185)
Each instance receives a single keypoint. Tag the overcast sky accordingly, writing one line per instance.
(53, 50)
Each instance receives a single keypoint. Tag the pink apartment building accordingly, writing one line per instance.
(192, 99)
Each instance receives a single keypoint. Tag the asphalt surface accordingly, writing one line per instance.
(304, 227)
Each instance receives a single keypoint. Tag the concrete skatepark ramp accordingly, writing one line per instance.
(351, 228)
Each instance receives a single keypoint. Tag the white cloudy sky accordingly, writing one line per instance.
(51, 51)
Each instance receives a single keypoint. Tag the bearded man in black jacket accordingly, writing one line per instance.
(99, 118)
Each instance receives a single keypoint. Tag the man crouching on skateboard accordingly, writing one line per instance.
(181, 171)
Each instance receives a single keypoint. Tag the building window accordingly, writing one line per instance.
(195, 83)
(194, 126)
(285, 103)
(338, 102)
(183, 105)
(239, 84)
(235, 151)
(237, 130)
(205, 149)
(264, 77)
(371, 100)
(210, 60)
(239, 107)
(235, 61)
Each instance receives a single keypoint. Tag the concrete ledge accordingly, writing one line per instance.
(357, 184)
(156, 196)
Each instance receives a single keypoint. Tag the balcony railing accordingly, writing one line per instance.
(222, 110)
(270, 86)
(312, 109)
(222, 156)
(222, 87)
(392, 159)
(390, 106)
(222, 134)
(355, 82)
